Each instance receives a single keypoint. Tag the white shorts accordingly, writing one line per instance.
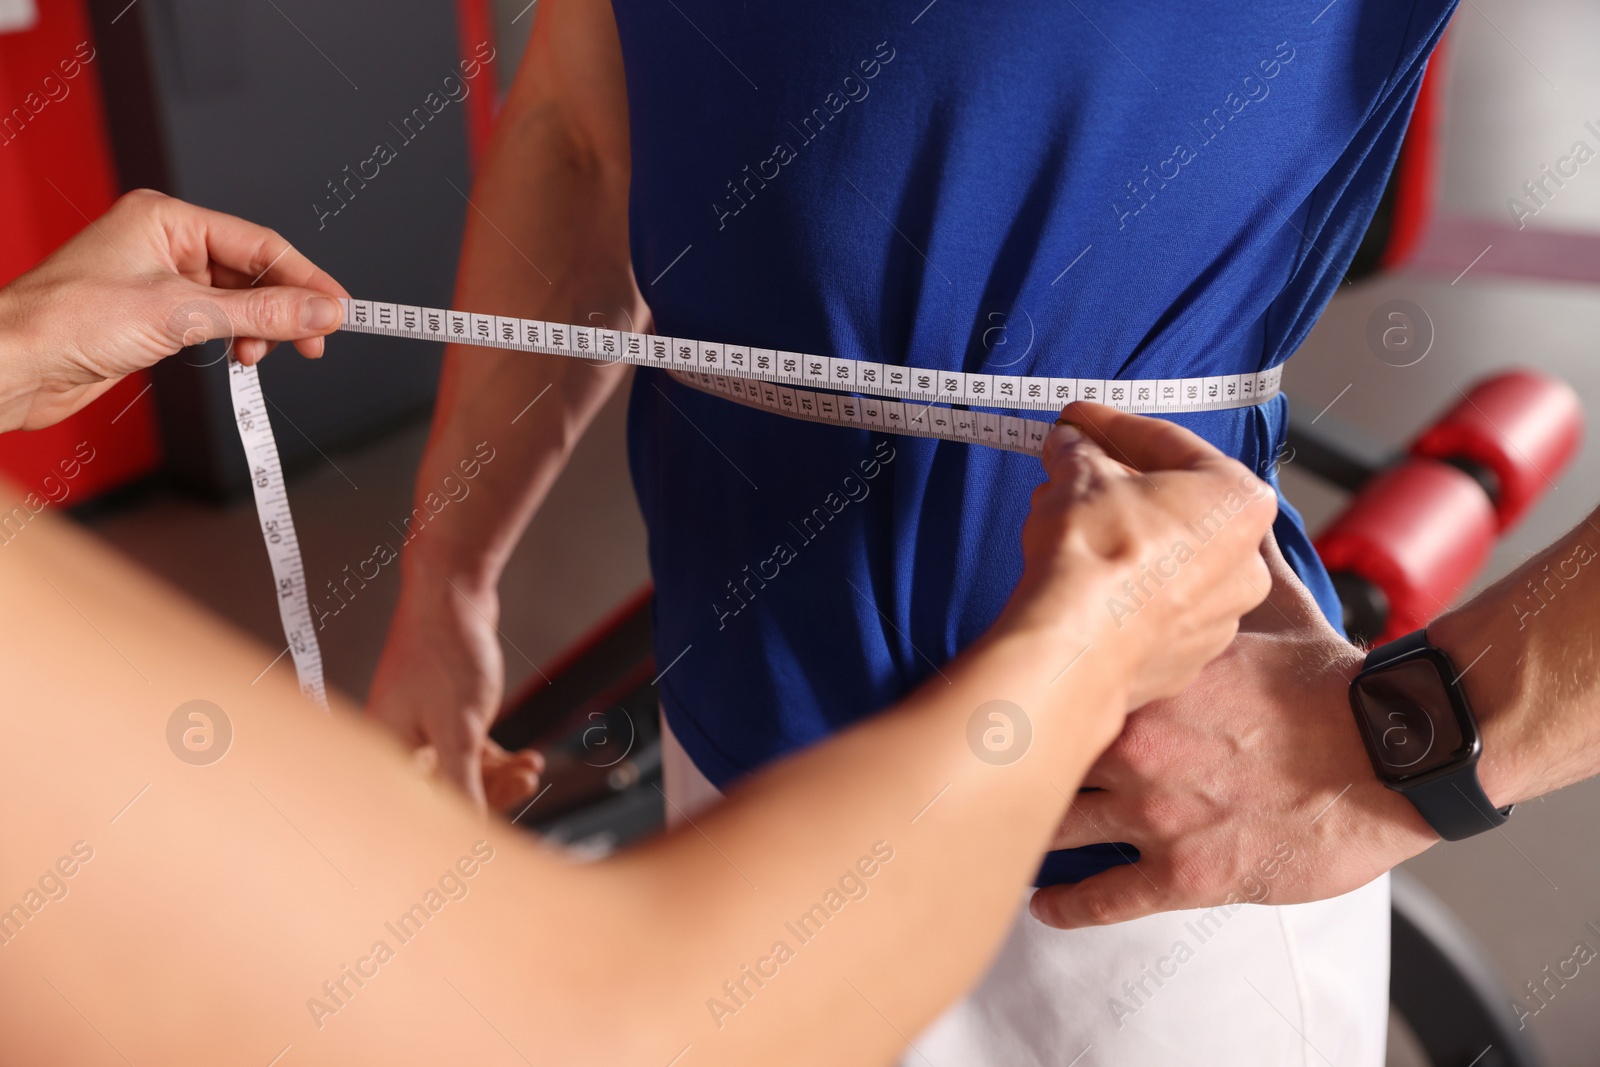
(1305, 985)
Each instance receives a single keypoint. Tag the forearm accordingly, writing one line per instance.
(284, 856)
(300, 850)
(903, 936)
(546, 238)
(1528, 648)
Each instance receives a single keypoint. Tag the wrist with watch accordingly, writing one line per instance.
(1422, 736)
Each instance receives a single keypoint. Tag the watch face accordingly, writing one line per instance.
(1412, 724)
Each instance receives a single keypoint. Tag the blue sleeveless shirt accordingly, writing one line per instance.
(1027, 187)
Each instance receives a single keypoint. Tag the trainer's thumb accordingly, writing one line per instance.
(278, 313)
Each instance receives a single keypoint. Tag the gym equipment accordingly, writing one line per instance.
(1443, 984)
(1401, 221)
(1411, 540)
(1513, 434)
(1409, 234)
(1420, 528)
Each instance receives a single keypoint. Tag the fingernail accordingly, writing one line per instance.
(320, 313)
(1062, 436)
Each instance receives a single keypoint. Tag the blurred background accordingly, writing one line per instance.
(269, 110)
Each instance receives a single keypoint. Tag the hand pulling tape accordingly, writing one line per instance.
(913, 401)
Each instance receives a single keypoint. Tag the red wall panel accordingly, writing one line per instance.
(55, 173)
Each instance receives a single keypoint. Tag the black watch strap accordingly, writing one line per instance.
(1454, 804)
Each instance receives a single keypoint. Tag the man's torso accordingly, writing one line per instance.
(1021, 187)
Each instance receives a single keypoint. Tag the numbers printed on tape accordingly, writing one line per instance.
(1009, 432)
(277, 529)
(905, 400)
(913, 401)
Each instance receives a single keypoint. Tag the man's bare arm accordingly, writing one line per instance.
(1530, 649)
(546, 238)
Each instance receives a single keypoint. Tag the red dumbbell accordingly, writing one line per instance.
(1416, 535)
(1519, 428)
(1408, 543)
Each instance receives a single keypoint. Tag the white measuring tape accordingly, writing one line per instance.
(911, 401)
(695, 362)
(277, 529)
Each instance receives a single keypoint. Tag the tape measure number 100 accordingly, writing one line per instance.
(886, 397)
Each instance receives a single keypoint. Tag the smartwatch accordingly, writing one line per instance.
(1422, 736)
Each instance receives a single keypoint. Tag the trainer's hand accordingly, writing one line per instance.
(1250, 786)
(1166, 528)
(149, 277)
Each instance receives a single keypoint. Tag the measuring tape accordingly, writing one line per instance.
(764, 377)
(277, 529)
(912, 401)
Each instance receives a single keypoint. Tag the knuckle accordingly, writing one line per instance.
(273, 245)
(269, 249)
(266, 311)
(1225, 636)
(135, 197)
(1100, 909)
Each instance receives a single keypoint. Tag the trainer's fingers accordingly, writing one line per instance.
(425, 758)
(1263, 586)
(510, 787)
(222, 277)
(1063, 441)
(1288, 604)
(1142, 442)
(1075, 464)
(249, 350)
(254, 252)
(1113, 896)
(1095, 819)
